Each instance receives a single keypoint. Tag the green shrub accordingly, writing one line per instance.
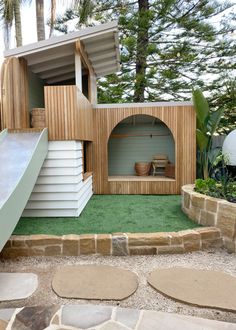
(225, 188)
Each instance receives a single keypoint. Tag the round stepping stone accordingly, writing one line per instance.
(15, 286)
(202, 288)
(94, 282)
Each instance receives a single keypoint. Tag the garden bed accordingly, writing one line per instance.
(210, 211)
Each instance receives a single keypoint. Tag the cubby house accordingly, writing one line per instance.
(92, 147)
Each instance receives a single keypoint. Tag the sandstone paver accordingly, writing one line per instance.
(119, 245)
(167, 321)
(127, 316)
(6, 313)
(98, 317)
(113, 326)
(94, 282)
(34, 318)
(17, 285)
(204, 288)
(3, 325)
(85, 316)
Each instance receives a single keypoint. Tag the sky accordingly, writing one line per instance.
(29, 24)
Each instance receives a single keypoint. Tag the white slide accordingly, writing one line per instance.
(21, 157)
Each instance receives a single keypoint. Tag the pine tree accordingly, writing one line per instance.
(168, 47)
(224, 96)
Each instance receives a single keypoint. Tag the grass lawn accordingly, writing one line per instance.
(115, 213)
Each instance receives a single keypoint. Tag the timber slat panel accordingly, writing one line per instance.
(69, 115)
(14, 94)
(182, 123)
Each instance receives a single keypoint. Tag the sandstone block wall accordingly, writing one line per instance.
(209, 211)
(117, 244)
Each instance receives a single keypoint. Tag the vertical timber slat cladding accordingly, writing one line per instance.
(69, 115)
(181, 121)
(14, 93)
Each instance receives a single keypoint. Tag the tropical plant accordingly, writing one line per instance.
(10, 12)
(207, 122)
(40, 18)
(17, 16)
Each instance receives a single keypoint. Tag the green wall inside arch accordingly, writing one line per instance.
(147, 140)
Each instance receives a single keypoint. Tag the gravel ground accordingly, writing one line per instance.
(144, 298)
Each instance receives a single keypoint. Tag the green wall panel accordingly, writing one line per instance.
(36, 91)
(123, 152)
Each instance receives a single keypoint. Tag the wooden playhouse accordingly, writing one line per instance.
(93, 147)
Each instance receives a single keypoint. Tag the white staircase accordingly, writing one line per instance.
(60, 190)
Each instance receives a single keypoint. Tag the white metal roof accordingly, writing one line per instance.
(53, 59)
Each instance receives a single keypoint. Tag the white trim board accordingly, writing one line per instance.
(142, 105)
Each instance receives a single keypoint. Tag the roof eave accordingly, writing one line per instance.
(61, 40)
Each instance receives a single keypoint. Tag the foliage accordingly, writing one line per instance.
(224, 96)
(221, 184)
(225, 188)
(9, 13)
(207, 122)
(182, 45)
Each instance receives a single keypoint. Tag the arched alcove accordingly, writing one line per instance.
(138, 138)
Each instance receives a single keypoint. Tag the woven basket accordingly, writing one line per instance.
(38, 118)
(142, 168)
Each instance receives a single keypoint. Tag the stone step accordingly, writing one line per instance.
(103, 318)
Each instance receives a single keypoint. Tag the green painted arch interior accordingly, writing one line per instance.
(119, 119)
(138, 141)
(36, 91)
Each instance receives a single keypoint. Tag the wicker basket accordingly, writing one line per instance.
(38, 118)
(142, 168)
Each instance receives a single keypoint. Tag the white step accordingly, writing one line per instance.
(60, 190)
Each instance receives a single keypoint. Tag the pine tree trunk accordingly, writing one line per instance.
(17, 17)
(40, 19)
(142, 45)
(53, 17)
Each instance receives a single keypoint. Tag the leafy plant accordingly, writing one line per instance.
(207, 122)
(206, 187)
(224, 188)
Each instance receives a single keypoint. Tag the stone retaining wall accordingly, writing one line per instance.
(209, 211)
(117, 244)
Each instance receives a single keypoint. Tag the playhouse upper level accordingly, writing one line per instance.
(77, 59)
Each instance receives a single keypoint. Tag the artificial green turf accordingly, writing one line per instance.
(115, 213)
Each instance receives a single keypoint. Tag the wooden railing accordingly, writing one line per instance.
(69, 114)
